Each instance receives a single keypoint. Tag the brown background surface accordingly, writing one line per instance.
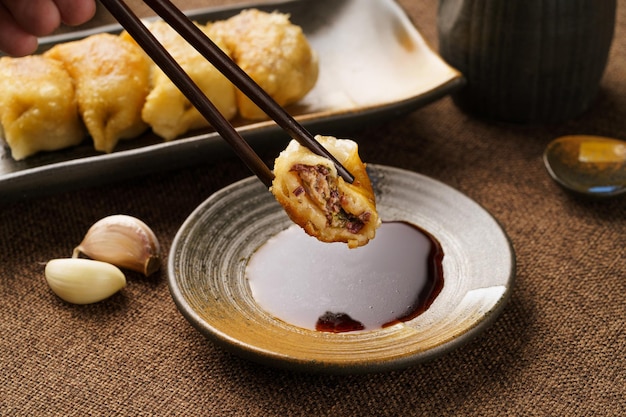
(559, 348)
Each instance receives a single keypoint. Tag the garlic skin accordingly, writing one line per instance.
(124, 241)
(83, 281)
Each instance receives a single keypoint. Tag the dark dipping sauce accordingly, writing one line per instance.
(342, 322)
(330, 288)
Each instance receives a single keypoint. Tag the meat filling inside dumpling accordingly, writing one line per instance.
(320, 201)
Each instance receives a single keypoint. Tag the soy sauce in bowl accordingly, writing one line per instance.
(328, 287)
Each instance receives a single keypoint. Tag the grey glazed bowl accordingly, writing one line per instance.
(208, 258)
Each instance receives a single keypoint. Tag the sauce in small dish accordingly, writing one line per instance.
(328, 287)
(593, 166)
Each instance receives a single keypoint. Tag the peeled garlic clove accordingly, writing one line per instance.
(124, 241)
(83, 281)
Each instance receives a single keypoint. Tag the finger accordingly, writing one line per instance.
(76, 12)
(38, 17)
(13, 39)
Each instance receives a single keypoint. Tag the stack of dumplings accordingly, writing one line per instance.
(104, 86)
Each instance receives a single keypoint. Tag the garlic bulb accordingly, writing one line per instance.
(83, 281)
(124, 241)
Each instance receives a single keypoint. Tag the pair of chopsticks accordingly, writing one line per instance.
(196, 38)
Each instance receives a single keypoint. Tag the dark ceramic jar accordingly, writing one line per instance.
(527, 61)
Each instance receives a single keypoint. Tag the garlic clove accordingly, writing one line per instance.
(83, 281)
(124, 241)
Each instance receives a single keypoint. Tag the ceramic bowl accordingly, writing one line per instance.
(208, 258)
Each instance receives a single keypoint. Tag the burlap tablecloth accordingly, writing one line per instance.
(558, 349)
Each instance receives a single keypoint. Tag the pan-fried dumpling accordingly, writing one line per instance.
(167, 110)
(38, 109)
(320, 201)
(274, 53)
(112, 78)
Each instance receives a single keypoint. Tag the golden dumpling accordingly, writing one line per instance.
(320, 201)
(167, 110)
(274, 53)
(112, 78)
(38, 109)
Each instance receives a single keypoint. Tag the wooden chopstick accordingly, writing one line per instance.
(206, 47)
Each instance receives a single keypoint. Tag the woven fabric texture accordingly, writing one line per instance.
(558, 349)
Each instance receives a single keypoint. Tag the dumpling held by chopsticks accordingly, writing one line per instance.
(321, 202)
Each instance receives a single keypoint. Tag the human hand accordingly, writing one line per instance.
(22, 21)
